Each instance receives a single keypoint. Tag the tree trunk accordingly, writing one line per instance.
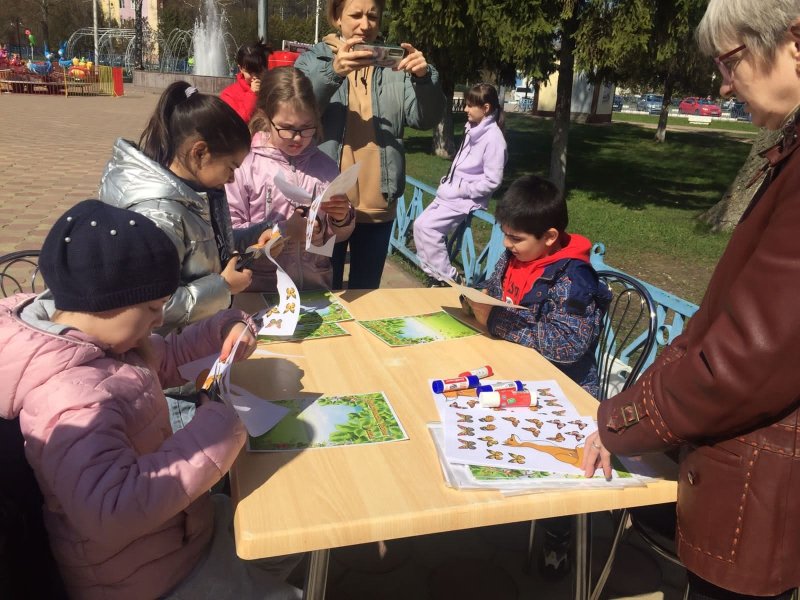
(45, 6)
(725, 214)
(661, 130)
(566, 67)
(443, 144)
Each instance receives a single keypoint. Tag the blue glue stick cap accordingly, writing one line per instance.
(516, 385)
(457, 383)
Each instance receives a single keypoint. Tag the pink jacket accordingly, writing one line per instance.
(253, 198)
(126, 502)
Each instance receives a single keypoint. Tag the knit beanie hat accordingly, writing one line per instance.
(98, 257)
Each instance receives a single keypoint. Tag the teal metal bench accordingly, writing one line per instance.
(478, 261)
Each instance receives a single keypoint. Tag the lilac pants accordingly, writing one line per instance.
(430, 229)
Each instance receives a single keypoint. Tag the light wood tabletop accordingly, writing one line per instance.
(314, 499)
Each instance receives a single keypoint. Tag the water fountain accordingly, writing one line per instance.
(210, 49)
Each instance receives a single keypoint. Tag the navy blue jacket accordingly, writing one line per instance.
(565, 309)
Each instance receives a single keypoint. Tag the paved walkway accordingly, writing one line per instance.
(52, 153)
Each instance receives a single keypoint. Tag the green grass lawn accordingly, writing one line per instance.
(639, 198)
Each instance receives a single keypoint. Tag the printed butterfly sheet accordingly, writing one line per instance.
(547, 437)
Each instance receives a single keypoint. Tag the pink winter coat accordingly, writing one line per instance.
(253, 198)
(126, 502)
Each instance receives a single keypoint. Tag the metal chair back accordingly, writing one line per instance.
(19, 272)
(628, 334)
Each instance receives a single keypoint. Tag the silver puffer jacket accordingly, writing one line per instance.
(133, 181)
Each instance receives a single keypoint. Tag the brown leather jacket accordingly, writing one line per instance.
(728, 391)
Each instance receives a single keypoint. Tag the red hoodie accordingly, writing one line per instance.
(520, 276)
(240, 97)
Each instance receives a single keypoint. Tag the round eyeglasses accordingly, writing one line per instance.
(287, 133)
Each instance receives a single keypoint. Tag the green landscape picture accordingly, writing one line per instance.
(419, 329)
(332, 421)
(306, 330)
(321, 303)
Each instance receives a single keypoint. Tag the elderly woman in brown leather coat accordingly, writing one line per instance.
(727, 391)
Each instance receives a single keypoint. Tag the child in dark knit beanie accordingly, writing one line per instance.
(126, 502)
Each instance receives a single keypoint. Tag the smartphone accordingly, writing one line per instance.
(385, 56)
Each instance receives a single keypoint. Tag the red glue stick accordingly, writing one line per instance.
(507, 398)
(479, 373)
(456, 383)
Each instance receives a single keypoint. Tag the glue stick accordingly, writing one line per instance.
(479, 373)
(501, 385)
(507, 398)
(456, 383)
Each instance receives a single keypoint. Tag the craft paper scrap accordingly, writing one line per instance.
(281, 319)
(418, 329)
(472, 293)
(257, 415)
(338, 187)
(332, 421)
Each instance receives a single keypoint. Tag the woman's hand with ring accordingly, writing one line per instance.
(595, 455)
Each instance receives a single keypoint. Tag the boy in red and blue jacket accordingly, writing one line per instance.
(546, 270)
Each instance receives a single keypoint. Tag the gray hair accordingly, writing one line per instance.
(759, 24)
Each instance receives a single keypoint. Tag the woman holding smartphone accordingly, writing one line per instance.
(364, 110)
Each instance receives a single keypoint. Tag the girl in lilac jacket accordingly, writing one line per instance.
(284, 125)
(126, 502)
(476, 172)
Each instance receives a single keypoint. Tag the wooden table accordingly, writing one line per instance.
(314, 500)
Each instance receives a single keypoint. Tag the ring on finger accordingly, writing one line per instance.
(596, 445)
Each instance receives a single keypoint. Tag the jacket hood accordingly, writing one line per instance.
(30, 356)
(476, 131)
(130, 177)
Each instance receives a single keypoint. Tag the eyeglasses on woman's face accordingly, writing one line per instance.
(727, 63)
(287, 133)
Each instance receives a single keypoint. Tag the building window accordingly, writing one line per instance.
(122, 3)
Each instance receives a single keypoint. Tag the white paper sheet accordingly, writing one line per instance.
(280, 320)
(257, 415)
(338, 187)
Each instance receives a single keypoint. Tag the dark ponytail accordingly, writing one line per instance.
(182, 113)
(485, 93)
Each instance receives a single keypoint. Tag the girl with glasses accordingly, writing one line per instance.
(285, 125)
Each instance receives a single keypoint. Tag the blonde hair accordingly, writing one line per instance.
(759, 24)
(284, 85)
(336, 7)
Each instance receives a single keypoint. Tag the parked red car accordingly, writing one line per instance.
(699, 106)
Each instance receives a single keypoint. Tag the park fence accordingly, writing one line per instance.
(70, 81)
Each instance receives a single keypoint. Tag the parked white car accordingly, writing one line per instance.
(522, 92)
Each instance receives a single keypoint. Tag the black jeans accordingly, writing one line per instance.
(700, 589)
(369, 245)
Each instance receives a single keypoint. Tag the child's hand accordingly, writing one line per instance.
(255, 84)
(230, 334)
(480, 311)
(237, 280)
(595, 455)
(338, 208)
(264, 239)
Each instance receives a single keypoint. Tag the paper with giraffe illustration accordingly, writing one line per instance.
(547, 437)
(332, 421)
